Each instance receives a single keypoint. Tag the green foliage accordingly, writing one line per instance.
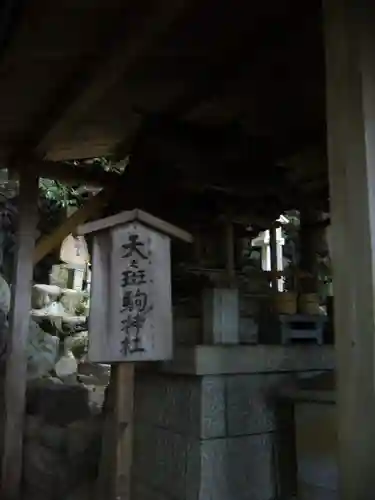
(64, 196)
(60, 194)
(291, 251)
(108, 165)
(8, 217)
(54, 199)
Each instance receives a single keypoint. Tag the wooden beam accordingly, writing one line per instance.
(16, 365)
(70, 174)
(218, 75)
(92, 206)
(178, 195)
(124, 426)
(104, 76)
(350, 47)
(273, 251)
(308, 236)
(230, 254)
(114, 476)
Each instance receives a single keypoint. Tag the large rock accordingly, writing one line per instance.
(57, 403)
(83, 435)
(46, 470)
(4, 310)
(60, 462)
(85, 491)
(79, 344)
(50, 436)
(95, 377)
(73, 299)
(4, 295)
(59, 275)
(42, 350)
(66, 367)
(42, 295)
(36, 493)
(33, 426)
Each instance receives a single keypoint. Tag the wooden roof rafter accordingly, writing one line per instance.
(237, 60)
(224, 64)
(90, 78)
(114, 65)
(69, 174)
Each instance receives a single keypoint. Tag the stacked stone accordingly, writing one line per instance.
(62, 443)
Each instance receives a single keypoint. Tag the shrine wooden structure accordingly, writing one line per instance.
(232, 107)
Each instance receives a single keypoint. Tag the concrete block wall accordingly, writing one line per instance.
(239, 463)
(209, 437)
(166, 437)
(316, 447)
(189, 331)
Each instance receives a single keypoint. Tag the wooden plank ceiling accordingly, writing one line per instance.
(223, 92)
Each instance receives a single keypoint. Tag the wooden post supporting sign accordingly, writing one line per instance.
(130, 316)
(350, 73)
(16, 365)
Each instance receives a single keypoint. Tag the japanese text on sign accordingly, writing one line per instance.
(135, 304)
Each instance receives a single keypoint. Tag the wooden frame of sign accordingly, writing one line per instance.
(130, 320)
(131, 311)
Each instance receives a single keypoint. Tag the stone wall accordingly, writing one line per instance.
(205, 438)
(62, 443)
(316, 447)
(166, 441)
(215, 436)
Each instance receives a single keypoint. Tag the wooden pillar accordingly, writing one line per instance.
(221, 304)
(350, 63)
(274, 267)
(124, 426)
(221, 315)
(230, 255)
(16, 366)
(308, 251)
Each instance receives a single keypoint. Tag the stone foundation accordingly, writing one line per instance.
(315, 423)
(62, 443)
(60, 461)
(213, 431)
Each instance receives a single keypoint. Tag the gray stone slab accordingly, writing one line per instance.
(214, 465)
(216, 360)
(187, 331)
(308, 492)
(249, 305)
(238, 469)
(214, 469)
(183, 405)
(171, 402)
(317, 458)
(251, 403)
(149, 398)
(250, 468)
(193, 470)
(144, 449)
(248, 331)
(213, 407)
(174, 448)
(220, 315)
(211, 437)
(141, 491)
(160, 458)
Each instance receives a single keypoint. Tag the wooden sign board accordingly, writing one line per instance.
(131, 311)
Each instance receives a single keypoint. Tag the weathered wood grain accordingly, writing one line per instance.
(16, 366)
